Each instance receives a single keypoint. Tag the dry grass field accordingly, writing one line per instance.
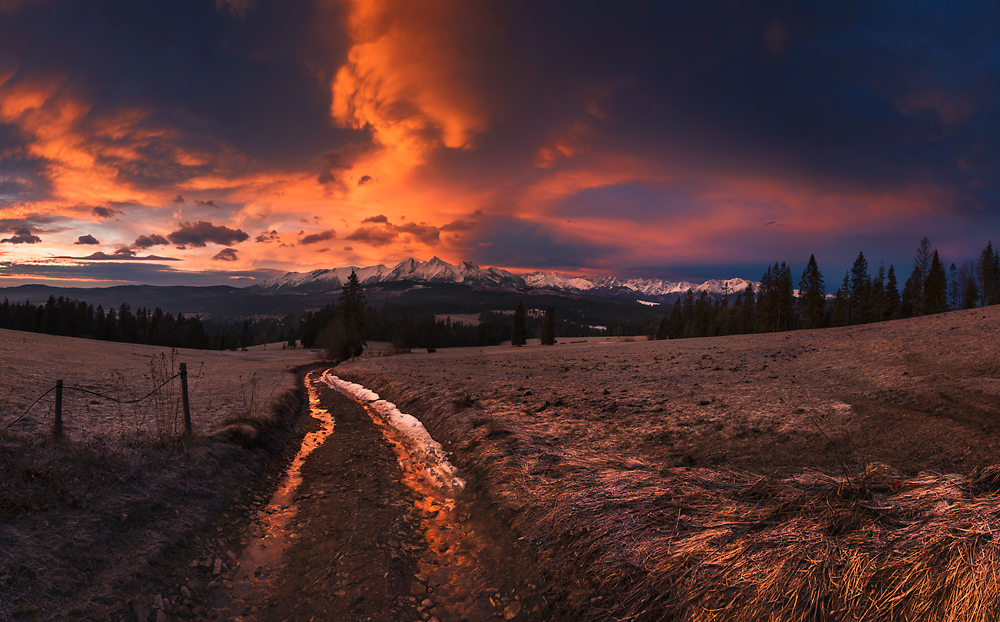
(82, 517)
(843, 474)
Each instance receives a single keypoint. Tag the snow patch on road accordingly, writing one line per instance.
(425, 449)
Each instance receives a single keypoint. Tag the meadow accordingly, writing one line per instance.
(86, 518)
(844, 474)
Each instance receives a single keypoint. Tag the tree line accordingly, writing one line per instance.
(71, 318)
(861, 299)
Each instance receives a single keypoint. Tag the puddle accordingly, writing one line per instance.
(261, 559)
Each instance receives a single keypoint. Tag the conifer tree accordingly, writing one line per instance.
(968, 285)
(519, 334)
(878, 298)
(844, 318)
(352, 315)
(934, 287)
(921, 265)
(912, 291)
(891, 295)
(812, 296)
(549, 327)
(988, 271)
(860, 290)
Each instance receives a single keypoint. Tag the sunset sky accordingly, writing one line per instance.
(217, 141)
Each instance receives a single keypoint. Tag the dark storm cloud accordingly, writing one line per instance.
(201, 233)
(22, 235)
(146, 241)
(86, 239)
(379, 218)
(365, 179)
(103, 212)
(268, 237)
(226, 254)
(322, 236)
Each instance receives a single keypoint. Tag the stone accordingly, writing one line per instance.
(158, 601)
(140, 610)
(512, 610)
(194, 585)
(160, 616)
(417, 588)
(428, 603)
(186, 592)
(217, 569)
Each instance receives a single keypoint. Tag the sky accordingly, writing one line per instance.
(221, 141)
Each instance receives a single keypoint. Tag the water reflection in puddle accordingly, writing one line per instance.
(462, 590)
(261, 559)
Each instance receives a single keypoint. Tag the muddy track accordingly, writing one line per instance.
(360, 537)
(372, 544)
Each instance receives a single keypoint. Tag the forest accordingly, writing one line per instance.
(862, 298)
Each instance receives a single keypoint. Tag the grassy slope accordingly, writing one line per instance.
(839, 474)
(82, 517)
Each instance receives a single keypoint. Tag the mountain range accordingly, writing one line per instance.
(438, 271)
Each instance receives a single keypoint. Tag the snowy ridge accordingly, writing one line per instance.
(424, 448)
(438, 271)
(332, 278)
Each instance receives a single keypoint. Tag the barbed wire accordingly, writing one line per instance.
(94, 393)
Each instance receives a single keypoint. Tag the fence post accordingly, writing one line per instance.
(184, 397)
(59, 423)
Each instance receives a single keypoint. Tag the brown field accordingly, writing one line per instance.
(84, 518)
(843, 474)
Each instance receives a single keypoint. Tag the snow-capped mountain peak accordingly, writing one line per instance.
(437, 270)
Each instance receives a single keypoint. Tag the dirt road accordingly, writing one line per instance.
(369, 541)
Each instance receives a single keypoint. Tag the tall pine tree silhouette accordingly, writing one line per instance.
(549, 327)
(812, 296)
(935, 295)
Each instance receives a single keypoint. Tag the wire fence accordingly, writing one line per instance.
(59, 388)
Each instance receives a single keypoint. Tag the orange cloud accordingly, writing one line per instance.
(408, 76)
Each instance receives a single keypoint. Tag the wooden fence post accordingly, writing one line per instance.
(184, 398)
(59, 423)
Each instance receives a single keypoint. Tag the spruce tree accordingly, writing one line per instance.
(860, 291)
(519, 334)
(934, 287)
(844, 318)
(891, 295)
(921, 265)
(549, 327)
(812, 296)
(988, 271)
